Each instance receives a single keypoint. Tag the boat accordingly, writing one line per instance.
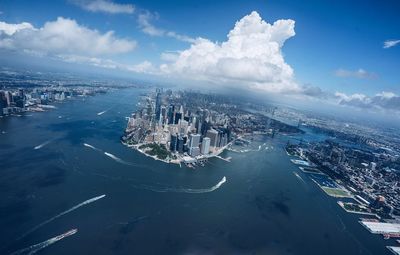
(69, 233)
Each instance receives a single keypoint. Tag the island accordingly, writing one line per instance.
(191, 127)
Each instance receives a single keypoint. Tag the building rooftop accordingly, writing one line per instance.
(382, 227)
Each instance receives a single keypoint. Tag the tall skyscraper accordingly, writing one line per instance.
(180, 144)
(213, 135)
(163, 114)
(158, 104)
(171, 112)
(183, 127)
(9, 98)
(173, 143)
(178, 116)
(194, 140)
(3, 101)
(205, 145)
(205, 126)
(194, 143)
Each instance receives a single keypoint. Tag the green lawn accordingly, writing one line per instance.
(156, 150)
(335, 192)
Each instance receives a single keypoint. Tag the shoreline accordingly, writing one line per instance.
(179, 161)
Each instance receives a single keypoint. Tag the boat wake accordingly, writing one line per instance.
(299, 177)
(112, 156)
(61, 214)
(91, 146)
(42, 144)
(183, 190)
(101, 113)
(37, 247)
(117, 159)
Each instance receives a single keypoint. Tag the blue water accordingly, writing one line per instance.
(263, 208)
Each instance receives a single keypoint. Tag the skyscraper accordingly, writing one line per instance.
(3, 101)
(163, 114)
(158, 104)
(213, 135)
(180, 144)
(194, 142)
(178, 116)
(183, 127)
(173, 143)
(205, 146)
(171, 111)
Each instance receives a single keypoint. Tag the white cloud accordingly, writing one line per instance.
(380, 101)
(386, 95)
(93, 61)
(146, 26)
(145, 23)
(169, 56)
(251, 56)
(360, 74)
(106, 6)
(348, 98)
(10, 29)
(63, 37)
(183, 38)
(390, 43)
(144, 67)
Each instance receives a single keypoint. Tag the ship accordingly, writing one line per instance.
(66, 234)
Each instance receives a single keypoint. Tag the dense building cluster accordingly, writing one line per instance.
(182, 126)
(370, 173)
(195, 125)
(13, 101)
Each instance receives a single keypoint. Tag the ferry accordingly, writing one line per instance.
(391, 235)
(66, 234)
(369, 220)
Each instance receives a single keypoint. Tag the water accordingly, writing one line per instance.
(49, 164)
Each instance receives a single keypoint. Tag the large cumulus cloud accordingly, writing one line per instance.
(251, 56)
(62, 36)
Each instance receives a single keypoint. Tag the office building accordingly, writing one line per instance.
(194, 140)
(158, 105)
(205, 146)
(180, 144)
(173, 143)
(178, 116)
(194, 151)
(213, 135)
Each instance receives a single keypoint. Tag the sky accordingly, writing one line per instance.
(343, 53)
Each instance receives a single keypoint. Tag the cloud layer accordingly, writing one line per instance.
(106, 6)
(360, 74)
(250, 56)
(380, 101)
(10, 29)
(145, 24)
(62, 36)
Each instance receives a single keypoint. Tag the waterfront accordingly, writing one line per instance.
(148, 208)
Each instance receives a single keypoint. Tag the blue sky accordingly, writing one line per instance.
(337, 46)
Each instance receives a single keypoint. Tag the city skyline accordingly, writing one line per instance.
(199, 127)
(339, 54)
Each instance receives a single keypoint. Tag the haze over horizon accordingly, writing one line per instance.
(336, 53)
(199, 127)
